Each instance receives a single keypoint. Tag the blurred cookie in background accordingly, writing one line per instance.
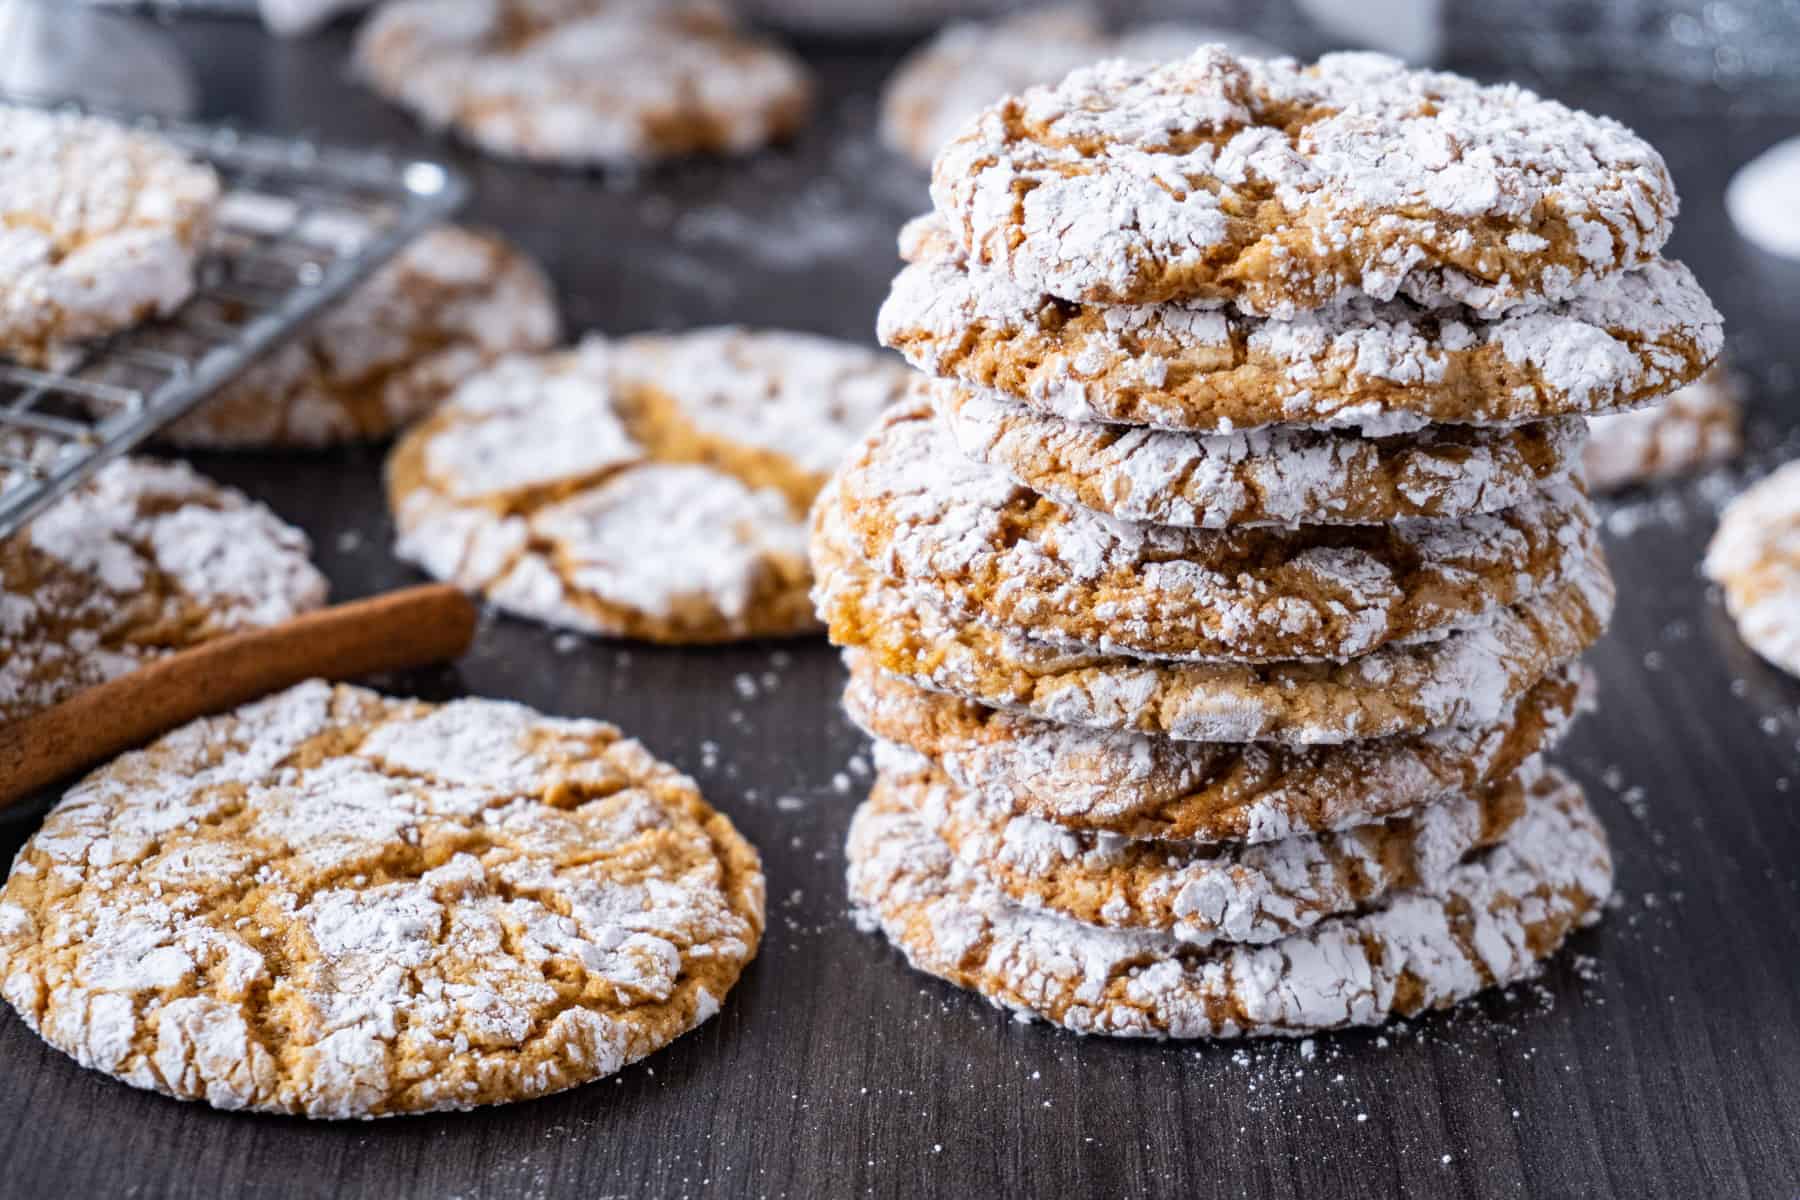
(585, 82)
(448, 305)
(1755, 558)
(970, 64)
(1695, 427)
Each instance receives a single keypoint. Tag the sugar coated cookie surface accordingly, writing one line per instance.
(655, 488)
(986, 548)
(1283, 187)
(1380, 366)
(334, 904)
(1466, 678)
(445, 307)
(1137, 785)
(100, 228)
(1691, 428)
(145, 558)
(1280, 475)
(1486, 922)
(585, 81)
(1755, 558)
(1199, 895)
(970, 64)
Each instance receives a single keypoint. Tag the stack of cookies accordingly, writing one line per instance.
(1214, 597)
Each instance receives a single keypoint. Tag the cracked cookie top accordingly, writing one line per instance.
(986, 548)
(1281, 475)
(145, 558)
(585, 82)
(1282, 187)
(1486, 922)
(447, 305)
(100, 228)
(1377, 366)
(653, 488)
(334, 904)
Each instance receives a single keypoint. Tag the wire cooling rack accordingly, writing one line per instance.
(298, 225)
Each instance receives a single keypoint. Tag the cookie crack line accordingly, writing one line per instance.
(1138, 183)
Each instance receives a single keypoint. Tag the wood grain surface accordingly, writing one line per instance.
(1660, 1057)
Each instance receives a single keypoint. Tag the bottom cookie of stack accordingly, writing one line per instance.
(1489, 919)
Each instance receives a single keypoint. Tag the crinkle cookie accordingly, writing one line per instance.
(100, 228)
(1133, 785)
(1199, 894)
(333, 904)
(145, 558)
(1380, 366)
(983, 547)
(652, 489)
(1755, 558)
(1692, 428)
(444, 308)
(1280, 475)
(585, 82)
(1467, 678)
(1283, 187)
(1486, 922)
(969, 64)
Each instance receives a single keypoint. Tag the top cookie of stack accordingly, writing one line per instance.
(1239, 531)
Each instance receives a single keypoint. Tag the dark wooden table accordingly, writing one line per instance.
(1659, 1057)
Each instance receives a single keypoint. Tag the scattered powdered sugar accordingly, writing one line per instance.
(1622, 339)
(100, 228)
(1116, 184)
(964, 533)
(1199, 894)
(1493, 921)
(577, 82)
(1755, 557)
(145, 558)
(332, 904)
(1279, 475)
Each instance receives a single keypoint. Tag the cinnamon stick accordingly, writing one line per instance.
(409, 628)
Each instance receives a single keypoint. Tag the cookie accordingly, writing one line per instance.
(1695, 427)
(1197, 894)
(444, 308)
(333, 904)
(1755, 558)
(1466, 678)
(145, 558)
(1280, 475)
(655, 489)
(969, 64)
(1132, 785)
(1282, 187)
(585, 82)
(100, 229)
(985, 548)
(1490, 921)
(1377, 366)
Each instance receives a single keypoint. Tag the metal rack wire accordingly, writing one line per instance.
(298, 225)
